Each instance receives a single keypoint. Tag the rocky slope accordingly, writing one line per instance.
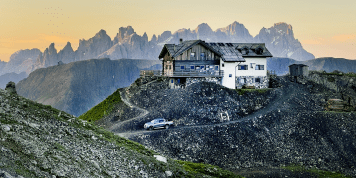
(78, 86)
(287, 127)
(39, 141)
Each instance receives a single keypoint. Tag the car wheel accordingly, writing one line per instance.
(166, 127)
(150, 128)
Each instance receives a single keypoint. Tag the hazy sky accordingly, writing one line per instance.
(326, 28)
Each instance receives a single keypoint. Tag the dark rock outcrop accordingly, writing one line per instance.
(11, 88)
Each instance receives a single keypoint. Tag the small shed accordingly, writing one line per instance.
(298, 70)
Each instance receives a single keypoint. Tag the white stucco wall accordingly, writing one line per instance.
(231, 68)
(252, 71)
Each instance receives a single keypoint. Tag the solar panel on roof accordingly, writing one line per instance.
(229, 44)
(213, 44)
(221, 44)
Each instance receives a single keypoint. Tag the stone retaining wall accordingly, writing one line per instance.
(250, 81)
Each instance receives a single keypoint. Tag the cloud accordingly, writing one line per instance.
(343, 37)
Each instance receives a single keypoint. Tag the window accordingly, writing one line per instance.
(178, 81)
(252, 64)
(197, 67)
(260, 67)
(243, 67)
(166, 67)
(230, 75)
(257, 80)
(222, 65)
(242, 80)
(169, 67)
(182, 67)
(202, 67)
(172, 81)
(202, 56)
(192, 67)
(216, 67)
(192, 56)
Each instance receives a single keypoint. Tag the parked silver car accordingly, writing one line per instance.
(158, 123)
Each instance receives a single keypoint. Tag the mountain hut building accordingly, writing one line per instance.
(232, 65)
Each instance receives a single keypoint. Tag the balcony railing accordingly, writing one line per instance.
(182, 73)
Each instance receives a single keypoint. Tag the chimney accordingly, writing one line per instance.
(180, 40)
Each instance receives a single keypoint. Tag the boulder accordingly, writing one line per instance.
(10, 87)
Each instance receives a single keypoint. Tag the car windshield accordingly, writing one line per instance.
(157, 120)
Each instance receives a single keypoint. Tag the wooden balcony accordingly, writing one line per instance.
(182, 73)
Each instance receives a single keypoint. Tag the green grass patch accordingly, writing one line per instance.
(340, 74)
(317, 172)
(198, 169)
(103, 108)
(119, 141)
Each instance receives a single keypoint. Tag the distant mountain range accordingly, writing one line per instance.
(279, 39)
(78, 86)
(6, 78)
(328, 64)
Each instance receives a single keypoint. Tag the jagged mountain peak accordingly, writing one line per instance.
(283, 24)
(154, 38)
(284, 27)
(279, 39)
(235, 29)
(123, 33)
(68, 46)
(101, 34)
(126, 31)
(203, 27)
(51, 49)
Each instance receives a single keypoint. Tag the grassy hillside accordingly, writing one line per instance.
(103, 108)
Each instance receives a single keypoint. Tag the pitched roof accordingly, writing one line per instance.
(175, 50)
(231, 52)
